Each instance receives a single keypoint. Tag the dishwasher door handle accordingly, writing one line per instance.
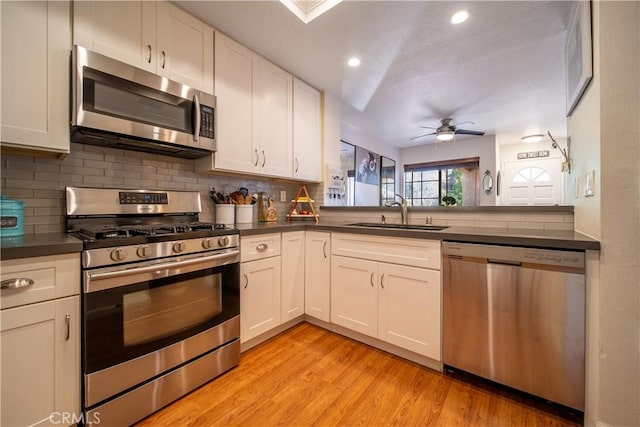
(503, 262)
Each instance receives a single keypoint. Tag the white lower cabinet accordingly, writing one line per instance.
(293, 267)
(259, 297)
(260, 279)
(40, 341)
(398, 304)
(41, 363)
(317, 275)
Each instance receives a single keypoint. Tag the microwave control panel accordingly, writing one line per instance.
(207, 122)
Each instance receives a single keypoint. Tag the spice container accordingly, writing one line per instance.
(11, 217)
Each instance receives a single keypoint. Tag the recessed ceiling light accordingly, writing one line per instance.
(459, 17)
(529, 139)
(354, 62)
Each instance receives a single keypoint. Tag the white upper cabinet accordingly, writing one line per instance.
(235, 74)
(155, 36)
(122, 30)
(254, 99)
(307, 132)
(185, 48)
(36, 45)
(274, 128)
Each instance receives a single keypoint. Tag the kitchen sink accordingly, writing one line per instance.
(425, 227)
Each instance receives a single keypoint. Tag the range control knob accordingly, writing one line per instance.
(178, 247)
(118, 254)
(144, 251)
(206, 243)
(223, 241)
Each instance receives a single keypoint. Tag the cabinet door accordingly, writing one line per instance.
(41, 363)
(317, 281)
(293, 263)
(354, 294)
(234, 83)
(123, 30)
(409, 308)
(259, 297)
(185, 48)
(274, 115)
(307, 133)
(36, 44)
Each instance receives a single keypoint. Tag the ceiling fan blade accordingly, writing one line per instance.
(464, 123)
(427, 127)
(468, 132)
(421, 136)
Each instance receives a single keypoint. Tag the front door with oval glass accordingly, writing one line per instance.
(533, 182)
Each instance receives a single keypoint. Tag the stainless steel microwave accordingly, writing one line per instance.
(117, 105)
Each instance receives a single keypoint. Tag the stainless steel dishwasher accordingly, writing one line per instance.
(516, 316)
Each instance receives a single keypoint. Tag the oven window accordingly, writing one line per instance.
(122, 323)
(156, 313)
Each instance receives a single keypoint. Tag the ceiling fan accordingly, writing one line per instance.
(447, 130)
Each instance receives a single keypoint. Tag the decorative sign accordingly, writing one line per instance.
(533, 154)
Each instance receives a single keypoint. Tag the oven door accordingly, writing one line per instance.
(141, 321)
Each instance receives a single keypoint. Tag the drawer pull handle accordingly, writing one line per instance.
(324, 249)
(67, 319)
(20, 282)
(262, 247)
(149, 57)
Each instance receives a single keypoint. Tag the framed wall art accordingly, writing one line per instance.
(578, 54)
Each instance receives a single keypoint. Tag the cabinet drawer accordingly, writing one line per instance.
(53, 276)
(396, 250)
(259, 247)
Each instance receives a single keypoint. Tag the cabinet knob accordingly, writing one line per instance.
(262, 247)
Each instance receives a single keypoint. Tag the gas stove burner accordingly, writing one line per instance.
(124, 231)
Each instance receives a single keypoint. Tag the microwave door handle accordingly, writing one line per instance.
(196, 118)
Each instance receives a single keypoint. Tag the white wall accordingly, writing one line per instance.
(605, 135)
(480, 146)
(365, 194)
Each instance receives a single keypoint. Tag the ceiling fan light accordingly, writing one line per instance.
(445, 135)
(530, 139)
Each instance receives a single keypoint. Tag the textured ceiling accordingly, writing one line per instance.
(502, 69)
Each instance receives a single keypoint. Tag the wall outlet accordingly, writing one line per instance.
(283, 195)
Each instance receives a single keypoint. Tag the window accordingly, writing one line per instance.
(439, 183)
(387, 181)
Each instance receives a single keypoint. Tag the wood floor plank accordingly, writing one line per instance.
(308, 376)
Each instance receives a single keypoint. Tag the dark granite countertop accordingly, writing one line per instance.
(553, 239)
(31, 245)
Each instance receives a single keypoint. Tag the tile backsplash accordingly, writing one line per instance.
(40, 182)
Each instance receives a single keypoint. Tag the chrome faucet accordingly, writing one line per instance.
(404, 216)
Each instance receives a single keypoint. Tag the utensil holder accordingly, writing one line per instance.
(225, 214)
(244, 214)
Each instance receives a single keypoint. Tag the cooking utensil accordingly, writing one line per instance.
(243, 191)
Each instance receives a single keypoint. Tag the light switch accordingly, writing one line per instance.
(283, 195)
(589, 182)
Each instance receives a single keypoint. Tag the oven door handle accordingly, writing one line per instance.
(98, 281)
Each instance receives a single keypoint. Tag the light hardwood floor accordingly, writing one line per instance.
(309, 376)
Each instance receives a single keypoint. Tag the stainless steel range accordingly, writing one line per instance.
(160, 299)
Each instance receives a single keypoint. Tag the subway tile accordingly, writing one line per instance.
(44, 203)
(48, 167)
(104, 180)
(18, 193)
(32, 220)
(49, 194)
(31, 184)
(82, 171)
(102, 150)
(95, 164)
(19, 164)
(49, 228)
(52, 212)
(88, 155)
(48, 176)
